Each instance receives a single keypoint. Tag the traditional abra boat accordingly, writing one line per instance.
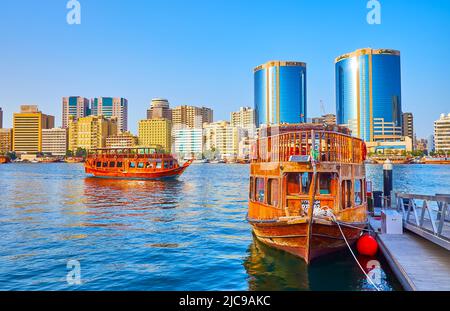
(133, 163)
(4, 159)
(295, 167)
(436, 160)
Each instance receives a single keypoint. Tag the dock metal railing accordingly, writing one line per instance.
(428, 216)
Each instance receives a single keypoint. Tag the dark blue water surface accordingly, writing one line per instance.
(186, 234)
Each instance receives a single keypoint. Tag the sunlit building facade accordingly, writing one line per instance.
(442, 134)
(121, 140)
(224, 138)
(54, 141)
(75, 106)
(159, 108)
(90, 132)
(156, 132)
(188, 142)
(27, 129)
(368, 94)
(5, 140)
(112, 107)
(280, 93)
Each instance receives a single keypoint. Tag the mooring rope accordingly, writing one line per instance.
(353, 254)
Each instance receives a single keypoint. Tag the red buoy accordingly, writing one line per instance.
(367, 245)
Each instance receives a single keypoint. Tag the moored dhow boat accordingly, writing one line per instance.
(133, 163)
(4, 159)
(296, 167)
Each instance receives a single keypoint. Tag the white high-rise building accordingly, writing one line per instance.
(442, 133)
(188, 142)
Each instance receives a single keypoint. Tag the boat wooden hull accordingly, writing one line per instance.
(293, 238)
(160, 174)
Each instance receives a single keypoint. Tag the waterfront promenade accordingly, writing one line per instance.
(420, 257)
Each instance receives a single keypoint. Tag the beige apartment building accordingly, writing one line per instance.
(91, 132)
(224, 138)
(156, 132)
(54, 141)
(442, 133)
(191, 116)
(122, 140)
(245, 119)
(5, 140)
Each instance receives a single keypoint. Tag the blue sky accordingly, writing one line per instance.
(202, 52)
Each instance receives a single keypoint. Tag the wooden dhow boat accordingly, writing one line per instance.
(133, 163)
(296, 167)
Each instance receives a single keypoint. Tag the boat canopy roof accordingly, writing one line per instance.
(130, 150)
(302, 142)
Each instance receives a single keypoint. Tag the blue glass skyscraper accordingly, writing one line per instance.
(280, 93)
(368, 93)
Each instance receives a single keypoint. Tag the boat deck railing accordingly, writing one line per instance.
(329, 146)
(136, 153)
(426, 215)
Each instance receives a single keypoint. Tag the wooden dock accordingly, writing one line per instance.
(420, 257)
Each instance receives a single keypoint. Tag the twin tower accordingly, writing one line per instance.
(368, 92)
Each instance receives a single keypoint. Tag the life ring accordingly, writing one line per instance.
(135, 156)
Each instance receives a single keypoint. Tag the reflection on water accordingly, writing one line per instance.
(271, 269)
(185, 234)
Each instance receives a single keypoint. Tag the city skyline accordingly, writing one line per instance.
(217, 73)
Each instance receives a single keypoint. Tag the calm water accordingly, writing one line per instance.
(187, 234)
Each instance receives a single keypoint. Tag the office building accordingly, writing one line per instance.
(368, 93)
(188, 142)
(442, 134)
(191, 116)
(112, 107)
(75, 106)
(430, 145)
(408, 125)
(54, 141)
(122, 140)
(5, 140)
(159, 108)
(27, 129)
(245, 119)
(280, 93)
(155, 132)
(91, 132)
(224, 138)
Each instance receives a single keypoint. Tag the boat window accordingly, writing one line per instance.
(325, 183)
(105, 164)
(298, 183)
(272, 193)
(132, 164)
(346, 194)
(359, 192)
(260, 190)
(119, 164)
(112, 164)
(158, 165)
(166, 164)
(170, 164)
(251, 190)
(99, 164)
(141, 165)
